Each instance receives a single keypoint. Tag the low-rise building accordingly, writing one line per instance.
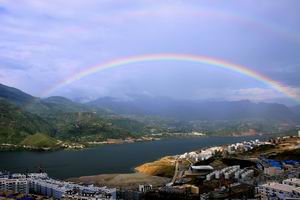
(231, 172)
(4, 174)
(145, 188)
(37, 175)
(272, 171)
(91, 193)
(18, 176)
(286, 190)
(247, 174)
(292, 181)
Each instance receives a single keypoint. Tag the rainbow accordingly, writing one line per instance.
(175, 57)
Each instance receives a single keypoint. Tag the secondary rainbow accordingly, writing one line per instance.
(175, 58)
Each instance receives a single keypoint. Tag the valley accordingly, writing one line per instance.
(54, 123)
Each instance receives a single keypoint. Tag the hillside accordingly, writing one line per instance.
(91, 126)
(14, 95)
(55, 105)
(39, 140)
(43, 107)
(164, 167)
(296, 110)
(23, 115)
(16, 124)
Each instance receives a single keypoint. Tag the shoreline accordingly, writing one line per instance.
(86, 145)
(101, 153)
(6, 147)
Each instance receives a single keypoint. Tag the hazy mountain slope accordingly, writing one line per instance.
(56, 105)
(196, 110)
(14, 95)
(39, 106)
(296, 109)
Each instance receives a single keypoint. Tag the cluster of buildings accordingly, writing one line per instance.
(252, 177)
(40, 183)
(244, 146)
(288, 189)
(204, 154)
(72, 146)
(231, 172)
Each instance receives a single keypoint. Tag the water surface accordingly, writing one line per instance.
(119, 158)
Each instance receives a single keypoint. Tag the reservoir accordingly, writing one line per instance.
(104, 159)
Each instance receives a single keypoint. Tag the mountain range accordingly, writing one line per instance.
(188, 110)
(23, 115)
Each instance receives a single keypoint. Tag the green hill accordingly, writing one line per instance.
(14, 95)
(39, 140)
(16, 124)
(23, 116)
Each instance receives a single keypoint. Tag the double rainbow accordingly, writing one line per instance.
(176, 57)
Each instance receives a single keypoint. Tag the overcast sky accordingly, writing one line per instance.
(42, 42)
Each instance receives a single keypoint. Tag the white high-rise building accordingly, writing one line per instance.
(14, 185)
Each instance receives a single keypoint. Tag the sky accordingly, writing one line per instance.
(44, 42)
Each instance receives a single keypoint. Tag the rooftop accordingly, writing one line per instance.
(202, 167)
(279, 186)
(293, 180)
(297, 190)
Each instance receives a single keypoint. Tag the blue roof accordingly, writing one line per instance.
(291, 162)
(274, 163)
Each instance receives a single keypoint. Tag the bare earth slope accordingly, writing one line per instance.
(164, 167)
(121, 180)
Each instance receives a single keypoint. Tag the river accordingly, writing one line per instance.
(116, 158)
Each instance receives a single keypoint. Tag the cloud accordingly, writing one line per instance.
(50, 40)
(255, 94)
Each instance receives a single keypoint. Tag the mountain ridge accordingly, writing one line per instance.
(197, 110)
(23, 115)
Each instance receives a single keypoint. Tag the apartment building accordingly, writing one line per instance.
(14, 185)
(287, 190)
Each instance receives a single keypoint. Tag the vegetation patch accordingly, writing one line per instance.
(39, 140)
(287, 155)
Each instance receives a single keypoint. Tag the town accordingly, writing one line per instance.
(251, 170)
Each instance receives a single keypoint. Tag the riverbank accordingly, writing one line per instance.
(65, 145)
(164, 167)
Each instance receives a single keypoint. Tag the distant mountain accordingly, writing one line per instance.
(23, 117)
(197, 110)
(56, 104)
(40, 106)
(15, 95)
